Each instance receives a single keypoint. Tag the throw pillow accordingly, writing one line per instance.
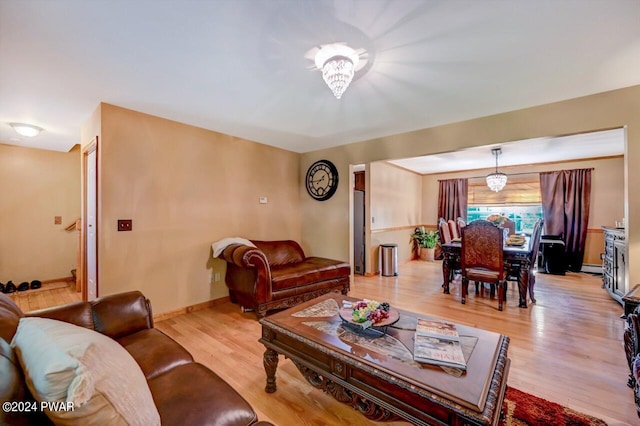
(96, 376)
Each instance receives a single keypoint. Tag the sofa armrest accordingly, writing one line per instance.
(122, 314)
(257, 283)
(78, 313)
(244, 256)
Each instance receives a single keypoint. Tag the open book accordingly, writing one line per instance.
(438, 343)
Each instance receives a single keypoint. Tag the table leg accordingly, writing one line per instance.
(446, 274)
(523, 284)
(270, 361)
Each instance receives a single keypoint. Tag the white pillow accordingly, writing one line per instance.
(63, 362)
(219, 246)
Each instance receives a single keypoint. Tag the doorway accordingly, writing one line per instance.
(90, 271)
(359, 223)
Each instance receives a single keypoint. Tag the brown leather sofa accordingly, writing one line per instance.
(277, 274)
(184, 392)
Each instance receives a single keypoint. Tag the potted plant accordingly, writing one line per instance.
(424, 242)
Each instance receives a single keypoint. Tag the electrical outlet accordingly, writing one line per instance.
(125, 224)
(216, 277)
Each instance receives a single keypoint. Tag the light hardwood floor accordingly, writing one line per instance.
(567, 348)
(50, 294)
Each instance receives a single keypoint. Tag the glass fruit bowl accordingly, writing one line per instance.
(368, 313)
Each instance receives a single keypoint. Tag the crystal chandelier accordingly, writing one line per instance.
(338, 64)
(496, 180)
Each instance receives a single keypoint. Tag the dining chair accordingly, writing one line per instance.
(482, 257)
(445, 237)
(453, 228)
(445, 232)
(513, 271)
(534, 245)
(461, 224)
(510, 225)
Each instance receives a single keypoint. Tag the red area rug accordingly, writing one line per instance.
(521, 409)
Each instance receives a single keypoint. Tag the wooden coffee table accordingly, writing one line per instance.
(376, 374)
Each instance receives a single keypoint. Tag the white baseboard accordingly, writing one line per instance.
(592, 269)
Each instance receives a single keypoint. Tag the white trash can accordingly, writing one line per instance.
(388, 260)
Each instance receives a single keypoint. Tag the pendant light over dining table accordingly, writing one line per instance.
(496, 180)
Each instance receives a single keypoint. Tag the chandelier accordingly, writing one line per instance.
(338, 64)
(496, 180)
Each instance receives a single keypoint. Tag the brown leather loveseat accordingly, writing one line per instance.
(183, 391)
(277, 274)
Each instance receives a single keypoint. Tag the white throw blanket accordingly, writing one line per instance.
(219, 246)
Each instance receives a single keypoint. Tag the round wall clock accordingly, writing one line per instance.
(322, 180)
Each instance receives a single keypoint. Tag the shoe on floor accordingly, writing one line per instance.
(36, 284)
(24, 286)
(10, 287)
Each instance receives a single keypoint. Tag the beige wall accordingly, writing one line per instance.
(396, 197)
(607, 110)
(37, 185)
(607, 187)
(184, 188)
(395, 210)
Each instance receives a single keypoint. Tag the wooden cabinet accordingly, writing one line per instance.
(359, 181)
(613, 265)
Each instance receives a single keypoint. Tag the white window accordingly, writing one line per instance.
(519, 201)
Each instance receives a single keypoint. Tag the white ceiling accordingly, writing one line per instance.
(605, 143)
(243, 68)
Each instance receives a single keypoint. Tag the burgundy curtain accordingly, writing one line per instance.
(452, 198)
(565, 203)
(452, 202)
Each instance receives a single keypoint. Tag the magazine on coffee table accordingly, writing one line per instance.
(432, 350)
(437, 328)
(438, 342)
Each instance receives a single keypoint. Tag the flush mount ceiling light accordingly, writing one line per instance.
(27, 130)
(496, 180)
(338, 63)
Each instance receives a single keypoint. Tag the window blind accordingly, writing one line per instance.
(519, 190)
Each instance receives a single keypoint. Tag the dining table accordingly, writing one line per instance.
(517, 262)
